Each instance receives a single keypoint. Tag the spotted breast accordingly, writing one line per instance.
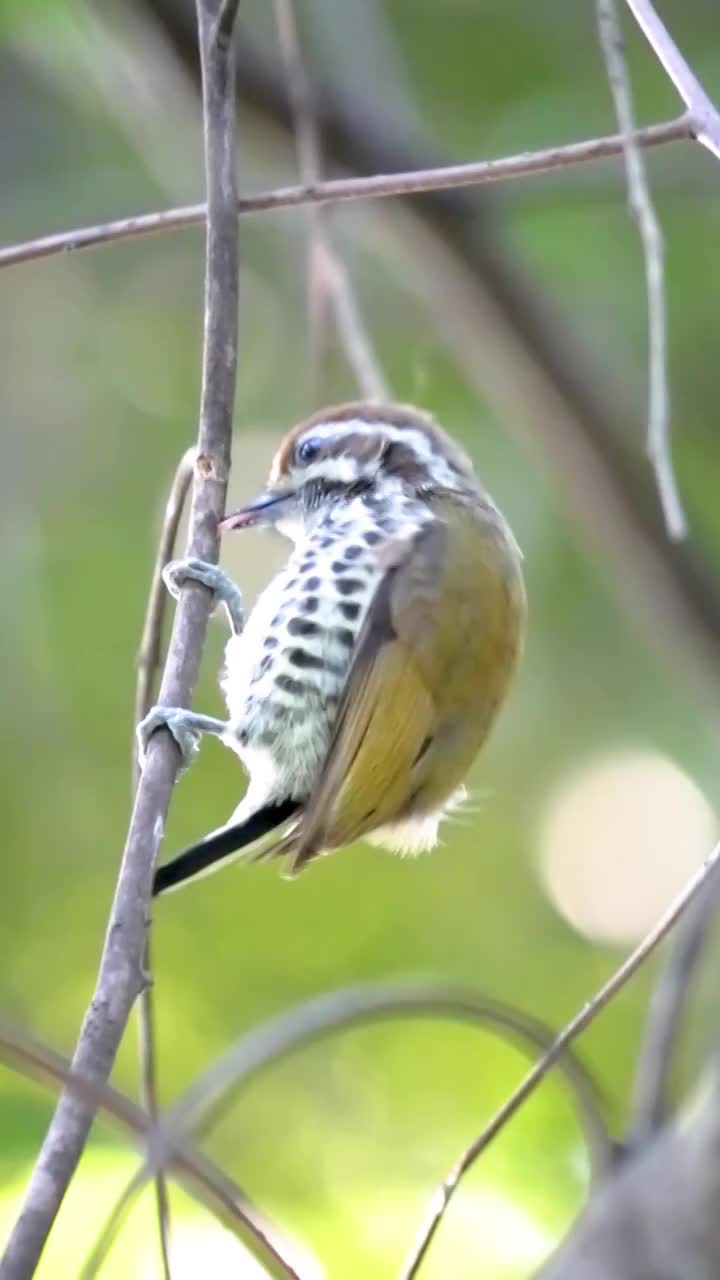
(285, 673)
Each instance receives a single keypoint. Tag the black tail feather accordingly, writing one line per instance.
(200, 857)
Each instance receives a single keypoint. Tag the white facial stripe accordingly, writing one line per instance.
(442, 473)
(343, 469)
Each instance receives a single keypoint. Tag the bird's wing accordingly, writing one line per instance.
(431, 666)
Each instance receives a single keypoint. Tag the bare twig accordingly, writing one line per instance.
(327, 274)
(149, 656)
(350, 326)
(120, 979)
(148, 1082)
(704, 118)
(587, 1014)
(148, 667)
(202, 1102)
(307, 146)
(198, 1174)
(666, 1011)
(643, 213)
(343, 190)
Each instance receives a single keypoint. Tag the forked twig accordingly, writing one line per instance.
(210, 1184)
(343, 190)
(587, 1014)
(667, 1005)
(328, 277)
(120, 978)
(703, 115)
(643, 213)
(201, 1104)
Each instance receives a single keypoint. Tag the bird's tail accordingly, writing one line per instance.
(217, 848)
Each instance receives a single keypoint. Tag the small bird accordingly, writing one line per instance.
(370, 670)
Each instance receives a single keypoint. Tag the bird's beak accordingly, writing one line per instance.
(267, 508)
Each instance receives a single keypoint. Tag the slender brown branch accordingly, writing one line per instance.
(196, 1172)
(527, 1086)
(643, 213)
(149, 656)
(703, 114)
(328, 276)
(148, 1083)
(667, 1006)
(148, 667)
(120, 978)
(342, 190)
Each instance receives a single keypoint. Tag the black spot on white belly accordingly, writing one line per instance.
(310, 604)
(289, 685)
(372, 537)
(342, 566)
(302, 627)
(352, 552)
(348, 610)
(312, 584)
(271, 642)
(301, 658)
(344, 636)
(348, 586)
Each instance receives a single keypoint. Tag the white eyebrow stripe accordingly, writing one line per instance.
(411, 437)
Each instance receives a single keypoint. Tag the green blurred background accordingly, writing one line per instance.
(598, 792)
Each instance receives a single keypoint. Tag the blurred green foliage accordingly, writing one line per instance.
(99, 368)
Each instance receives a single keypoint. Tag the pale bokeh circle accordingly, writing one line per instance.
(619, 839)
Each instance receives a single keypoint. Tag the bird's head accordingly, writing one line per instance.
(353, 449)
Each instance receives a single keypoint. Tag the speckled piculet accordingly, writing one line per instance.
(372, 667)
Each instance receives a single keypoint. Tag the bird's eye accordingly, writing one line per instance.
(307, 450)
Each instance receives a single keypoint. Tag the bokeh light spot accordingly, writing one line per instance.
(619, 839)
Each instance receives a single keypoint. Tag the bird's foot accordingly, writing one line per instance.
(177, 572)
(186, 727)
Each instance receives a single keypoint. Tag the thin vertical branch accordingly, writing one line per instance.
(120, 978)
(149, 656)
(445, 1192)
(148, 1084)
(328, 277)
(148, 667)
(643, 214)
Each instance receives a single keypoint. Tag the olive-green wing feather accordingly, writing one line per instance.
(430, 668)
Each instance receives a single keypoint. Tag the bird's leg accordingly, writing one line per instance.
(176, 572)
(187, 727)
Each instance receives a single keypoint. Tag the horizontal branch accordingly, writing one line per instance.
(343, 190)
